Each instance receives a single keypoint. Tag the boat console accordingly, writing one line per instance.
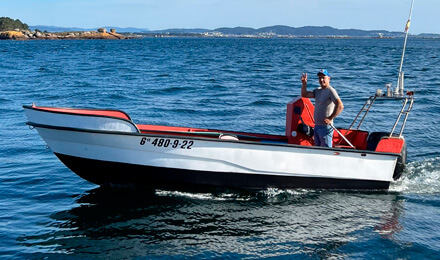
(300, 124)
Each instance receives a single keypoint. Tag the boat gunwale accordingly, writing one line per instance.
(42, 109)
(194, 136)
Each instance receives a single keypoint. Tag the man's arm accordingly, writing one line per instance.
(304, 92)
(339, 106)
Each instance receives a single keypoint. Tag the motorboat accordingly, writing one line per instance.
(106, 147)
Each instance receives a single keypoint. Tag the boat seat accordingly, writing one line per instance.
(357, 138)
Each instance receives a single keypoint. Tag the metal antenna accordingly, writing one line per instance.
(400, 79)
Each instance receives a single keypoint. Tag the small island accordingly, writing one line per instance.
(16, 30)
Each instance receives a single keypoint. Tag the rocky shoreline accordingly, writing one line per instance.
(38, 35)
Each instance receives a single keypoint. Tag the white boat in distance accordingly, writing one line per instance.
(106, 146)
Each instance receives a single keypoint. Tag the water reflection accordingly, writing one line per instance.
(126, 223)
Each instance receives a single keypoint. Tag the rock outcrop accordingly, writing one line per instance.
(13, 35)
(28, 35)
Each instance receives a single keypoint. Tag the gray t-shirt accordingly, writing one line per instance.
(324, 103)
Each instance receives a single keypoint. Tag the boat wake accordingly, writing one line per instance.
(216, 196)
(270, 194)
(421, 177)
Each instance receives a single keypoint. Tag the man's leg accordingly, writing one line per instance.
(328, 137)
(318, 132)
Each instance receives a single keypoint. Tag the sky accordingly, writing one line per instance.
(390, 15)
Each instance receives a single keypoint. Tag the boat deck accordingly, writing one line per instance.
(211, 133)
(361, 140)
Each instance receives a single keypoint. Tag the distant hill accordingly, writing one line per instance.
(276, 30)
(236, 30)
(429, 35)
(77, 29)
(314, 31)
(180, 30)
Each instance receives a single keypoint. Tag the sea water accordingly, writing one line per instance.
(46, 211)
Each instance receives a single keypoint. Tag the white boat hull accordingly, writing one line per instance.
(103, 155)
(208, 157)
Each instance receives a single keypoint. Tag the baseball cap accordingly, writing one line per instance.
(323, 72)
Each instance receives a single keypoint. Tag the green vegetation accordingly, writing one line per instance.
(8, 24)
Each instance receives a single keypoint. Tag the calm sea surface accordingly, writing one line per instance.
(46, 211)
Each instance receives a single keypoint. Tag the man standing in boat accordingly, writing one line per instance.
(328, 106)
